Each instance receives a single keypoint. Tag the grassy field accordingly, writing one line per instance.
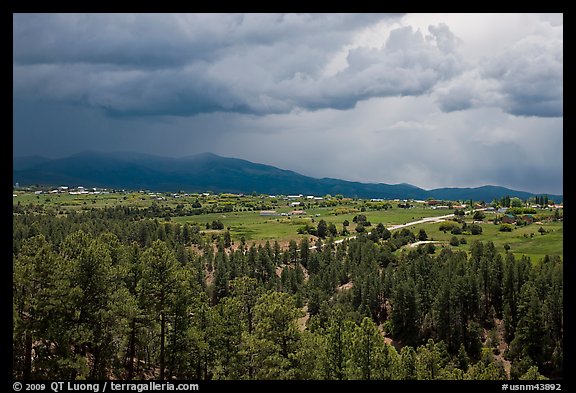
(522, 240)
(68, 202)
(246, 222)
(252, 226)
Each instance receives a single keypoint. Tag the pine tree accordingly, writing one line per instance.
(405, 311)
(100, 299)
(336, 345)
(229, 362)
(530, 339)
(247, 291)
(159, 280)
(277, 334)
(406, 366)
(304, 251)
(310, 357)
(370, 357)
(36, 285)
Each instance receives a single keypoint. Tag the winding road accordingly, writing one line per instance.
(393, 227)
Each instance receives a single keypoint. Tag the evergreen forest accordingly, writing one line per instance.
(108, 294)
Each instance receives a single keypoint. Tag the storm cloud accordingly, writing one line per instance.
(525, 80)
(429, 99)
(190, 64)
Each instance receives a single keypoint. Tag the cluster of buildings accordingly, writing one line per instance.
(73, 191)
(436, 204)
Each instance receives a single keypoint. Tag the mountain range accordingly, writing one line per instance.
(210, 172)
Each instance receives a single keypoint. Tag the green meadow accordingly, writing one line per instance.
(523, 240)
(245, 220)
(254, 227)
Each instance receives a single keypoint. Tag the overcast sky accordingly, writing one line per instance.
(434, 100)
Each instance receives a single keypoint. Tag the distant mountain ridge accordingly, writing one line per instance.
(210, 172)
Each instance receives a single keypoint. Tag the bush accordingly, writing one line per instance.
(447, 226)
(361, 219)
(454, 241)
(387, 327)
(217, 224)
(521, 210)
(475, 229)
(479, 215)
(456, 231)
(505, 228)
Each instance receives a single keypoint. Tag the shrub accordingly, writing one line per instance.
(456, 230)
(475, 229)
(447, 226)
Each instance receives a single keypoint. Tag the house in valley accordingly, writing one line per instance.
(508, 219)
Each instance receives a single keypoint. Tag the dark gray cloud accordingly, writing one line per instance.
(531, 77)
(185, 64)
(189, 64)
(408, 64)
(160, 40)
(431, 100)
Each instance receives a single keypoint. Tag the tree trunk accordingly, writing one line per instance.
(132, 350)
(162, 334)
(95, 365)
(27, 355)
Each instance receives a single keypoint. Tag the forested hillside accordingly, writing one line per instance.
(106, 294)
(219, 174)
